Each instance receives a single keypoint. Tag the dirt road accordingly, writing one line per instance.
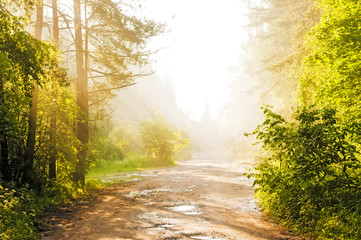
(205, 198)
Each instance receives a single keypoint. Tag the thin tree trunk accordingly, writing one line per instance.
(54, 152)
(53, 121)
(82, 97)
(30, 144)
(55, 23)
(4, 157)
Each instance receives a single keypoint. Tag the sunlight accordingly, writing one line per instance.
(205, 40)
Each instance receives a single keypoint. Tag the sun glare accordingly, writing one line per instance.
(206, 38)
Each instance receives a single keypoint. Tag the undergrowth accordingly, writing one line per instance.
(309, 178)
(21, 208)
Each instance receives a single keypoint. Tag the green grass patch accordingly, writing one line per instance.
(132, 162)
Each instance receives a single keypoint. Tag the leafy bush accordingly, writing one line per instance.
(103, 149)
(309, 177)
(17, 211)
(21, 208)
(159, 140)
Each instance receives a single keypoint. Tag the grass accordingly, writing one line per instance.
(132, 162)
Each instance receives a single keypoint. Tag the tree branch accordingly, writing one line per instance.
(104, 116)
(113, 88)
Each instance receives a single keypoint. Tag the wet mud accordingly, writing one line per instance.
(204, 198)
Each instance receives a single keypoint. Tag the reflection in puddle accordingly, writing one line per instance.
(147, 192)
(154, 191)
(185, 209)
(207, 238)
(163, 226)
(120, 178)
(156, 221)
(192, 213)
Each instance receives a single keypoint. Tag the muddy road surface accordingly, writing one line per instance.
(204, 198)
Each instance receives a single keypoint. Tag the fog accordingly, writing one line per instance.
(202, 82)
(210, 67)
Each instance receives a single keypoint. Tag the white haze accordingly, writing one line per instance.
(199, 65)
(205, 39)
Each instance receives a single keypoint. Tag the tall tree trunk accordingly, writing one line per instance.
(4, 156)
(53, 121)
(82, 97)
(30, 144)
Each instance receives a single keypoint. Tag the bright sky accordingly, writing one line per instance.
(205, 40)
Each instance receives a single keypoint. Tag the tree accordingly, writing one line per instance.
(114, 42)
(276, 34)
(4, 160)
(30, 143)
(331, 70)
(25, 61)
(53, 126)
(82, 130)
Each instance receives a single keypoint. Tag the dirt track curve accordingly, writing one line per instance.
(204, 198)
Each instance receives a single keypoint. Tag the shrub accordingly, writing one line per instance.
(17, 211)
(309, 177)
(159, 140)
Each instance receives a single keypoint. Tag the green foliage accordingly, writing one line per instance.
(118, 148)
(332, 69)
(111, 144)
(30, 58)
(24, 61)
(309, 177)
(104, 150)
(159, 140)
(184, 152)
(22, 208)
(19, 6)
(57, 102)
(118, 37)
(17, 212)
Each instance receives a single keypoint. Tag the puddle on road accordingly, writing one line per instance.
(207, 238)
(185, 209)
(157, 221)
(163, 226)
(121, 178)
(159, 226)
(147, 192)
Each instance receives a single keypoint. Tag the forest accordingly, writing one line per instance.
(63, 64)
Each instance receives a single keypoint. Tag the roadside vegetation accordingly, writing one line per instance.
(153, 143)
(309, 173)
